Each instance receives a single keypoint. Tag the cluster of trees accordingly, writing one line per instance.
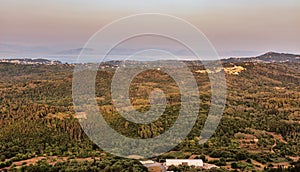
(108, 164)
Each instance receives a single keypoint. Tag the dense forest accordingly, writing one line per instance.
(260, 128)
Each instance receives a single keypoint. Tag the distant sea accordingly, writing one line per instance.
(97, 58)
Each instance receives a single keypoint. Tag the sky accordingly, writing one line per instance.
(234, 27)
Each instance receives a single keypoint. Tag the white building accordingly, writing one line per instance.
(188, 162)
(147, 162)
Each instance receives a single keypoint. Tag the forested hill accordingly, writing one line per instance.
(260, 128)
(270, 57)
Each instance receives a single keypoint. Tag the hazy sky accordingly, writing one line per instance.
(234, 27)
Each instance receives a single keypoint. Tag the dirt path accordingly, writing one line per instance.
(276, 137)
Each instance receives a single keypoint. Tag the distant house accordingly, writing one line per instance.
(188, 162)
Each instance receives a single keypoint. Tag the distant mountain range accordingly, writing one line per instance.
(17, 50)
(75, 51)
(20, 51)
(269, 57)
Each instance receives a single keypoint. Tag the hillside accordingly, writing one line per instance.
(260, 127)
(270, 57)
